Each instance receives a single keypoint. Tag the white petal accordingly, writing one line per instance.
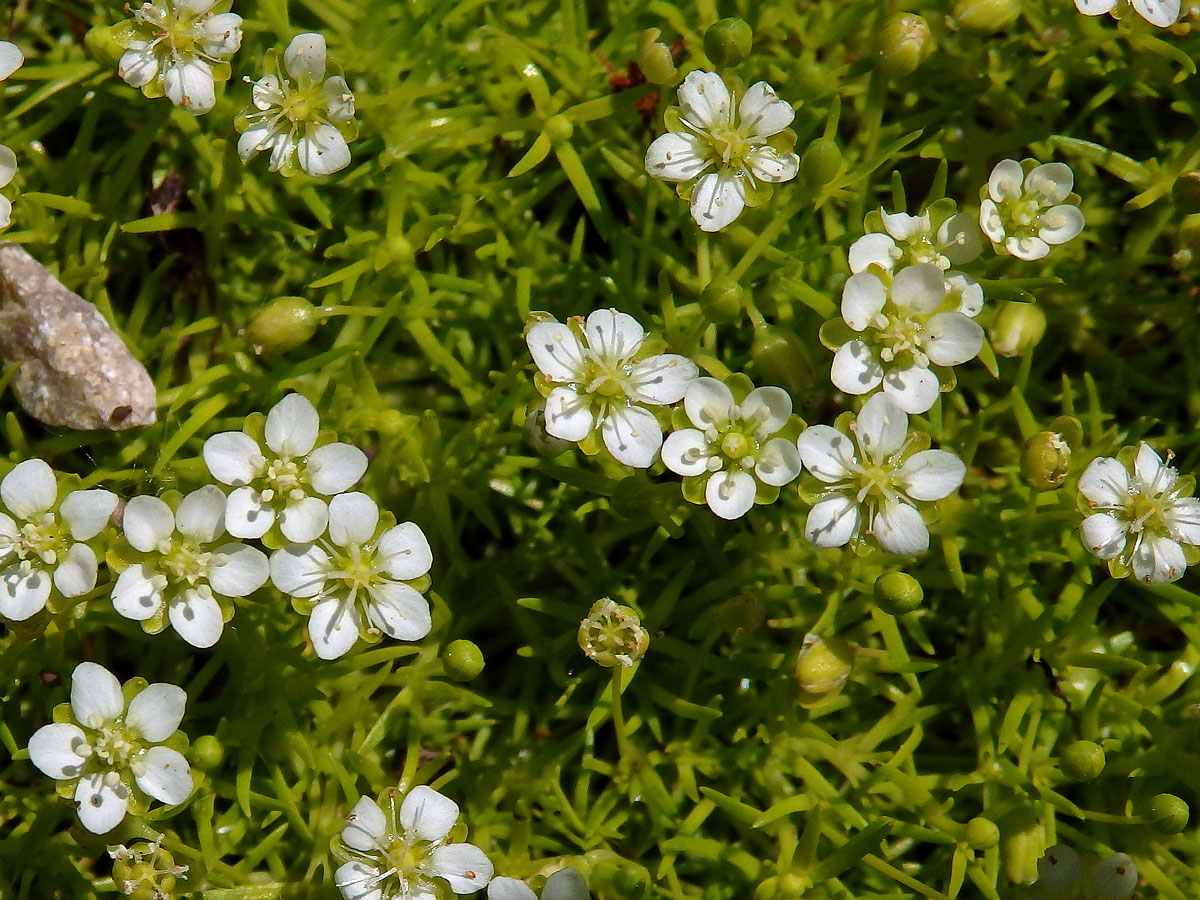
(1150, 473)
(222, 35)
(914, 388)
(900, 530)
(903, 227)
(771, 165)
(970, 293)
(872, 249)
(1050, 182)
(283, 147)
(504, 888)
(770, 407)
(244, 570)
(333, 628)
(292, 426)
(336, 467)
(826, 453)
(566, 884)
(762, 114)
(339, 100)
(920, 288)
(730, 494)
(156, 711)
(707, 402)
(22, 595)
(322, 151)
(353, 518)
(147, 522)
(305, 57)
(196, 618)
(1094, 7)
(167, 777)
(101, 808)
(556, 351)
(189, 85)
(465, 866)
(8, 166)
(931, 474)
(304, 520)
(138, 67)
(613, 335)
(233, 458)
(717, 200)
(1005, 181)
(677, 156)
(959, 240)
(863, 297)
(1162, 13)
(704, 100)
(87, 512)
(299, 569)
(1030, 249)
(265, 93)
(358, 881)
(76, 575)
(1105, 482)
(951, 338)
(990, 222)
(1059, 870)
(427, 815)
(1158, 560)
(632, 435)
(685, 452)
(404, 552)
(95, 695)
(195, 7)
(1060, 224)
(1115, 878)
(246, 516)
(366, 826)
(52, 748)
(778, 462)
(832, 521)
(662, 379)
(1103, 535)
(856, 368)
(881, 427)
(10, 59)
(568, 415)
(8, 529)
(201, 514)
(134, 596)
(1183, 518)
(29, 489)
(399, 611)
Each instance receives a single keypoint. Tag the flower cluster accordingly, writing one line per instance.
(11, 59)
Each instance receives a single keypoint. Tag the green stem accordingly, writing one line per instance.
(703, 260)
(618, 717)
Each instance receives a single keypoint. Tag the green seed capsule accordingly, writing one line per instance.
(1186, 193)
(728, 41)
(1045, 461)
(102, 46)
(986, 16)
(283, 324)
(1082, 761)
(897, 593)
(982, 834)
(821, 162)
(654, 58)
(463, 660)
(206, 752)
(781, 358)
(1017, 328)
(559, 129)
(1168, 814)
(905, 42)
(822, 669)
(722, 300)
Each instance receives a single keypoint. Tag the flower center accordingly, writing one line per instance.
(729, 144)
(36, 542)
(403, 855)
(736, 445)
(1149, 513)
(114, 746)
(301, 106)
(874, 481)
(900, 334)
(184, 563)
(284, 479)
(922, 249)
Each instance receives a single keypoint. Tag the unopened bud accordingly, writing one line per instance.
(612, 635)
(559, 129)
(206, 752)
(897, 593)
(1082, 761)
(463, 660)
(821, 162)
(722, 299)
(1167, 813)
(982, 834)
(987, 16)
(654, 58)
(904, 43)
(728, 41)
(1186, 193)
(782, 359)
(822, 669)
(1045, 461)
(1017, 328)
(283, 324)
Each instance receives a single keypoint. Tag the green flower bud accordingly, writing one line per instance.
(1023, 843)
(1167, 813)
(822, 669)
(102, 46)
(722, 300)
(206, 752)
(782, 359)
(559, 129)
(283, 324)
(821, 162)
(904, 43)
(1082, 761)
(614, 878)
(987, 16)
(463, 660)
(897, 593)
(1045, 461)
(612, 634)
(1017, 328)
(982, 834)
(728, 41)
(1186, 193)
(654, 58)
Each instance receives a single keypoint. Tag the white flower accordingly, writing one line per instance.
(907, 240)
(355, 578)
(111, 751)
(720, 152)
(400, 853)
(601, 382)
(10, 60)
(734, 446)
(181, 570)
(179, 48)
(903, 329)
(281, 481)
(1026, 212)
(1143, 517)
(309, 123)
(874, 486)
(40, 545)
(1062, 875)
(1162, 13)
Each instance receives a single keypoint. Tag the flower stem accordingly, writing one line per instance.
(618, 717)
(703, 260)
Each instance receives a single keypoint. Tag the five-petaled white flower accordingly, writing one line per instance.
(1025, 212)
(308, 123)
(721, 154)
(10, 60)
(40, 541)
(180, 568)
(1142, 516)
(356, 578)
(907, 240)
(601, 382)
(1062, 875)
(400, 852)
(1162, 13)
(902, 330)
(179, 48)
(281, 482)
(874, 485)
(734, 445)
(111, 752)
